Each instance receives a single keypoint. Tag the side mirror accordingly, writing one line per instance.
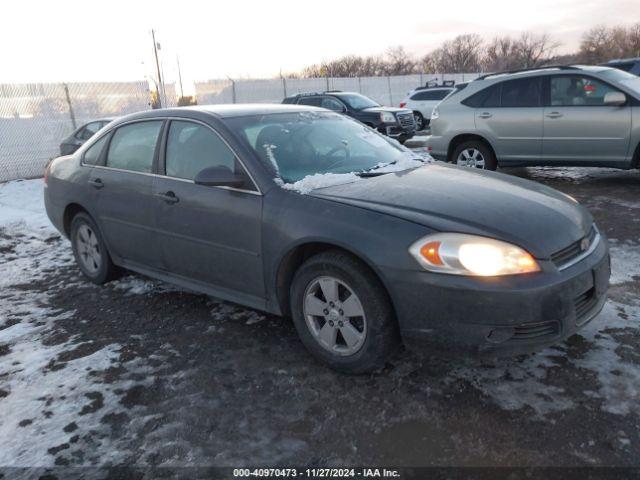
(218, 177)
(615, 99)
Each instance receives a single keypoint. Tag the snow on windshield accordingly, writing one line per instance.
(410, 159)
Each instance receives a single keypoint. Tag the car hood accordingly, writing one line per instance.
(455, 199)
(385, 109)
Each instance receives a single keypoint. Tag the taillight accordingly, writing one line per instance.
(403, 104)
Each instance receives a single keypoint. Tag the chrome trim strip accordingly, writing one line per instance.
(583, 255)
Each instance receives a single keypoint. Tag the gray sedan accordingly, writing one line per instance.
(302, 212)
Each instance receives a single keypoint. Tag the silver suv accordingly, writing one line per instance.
(565, 115)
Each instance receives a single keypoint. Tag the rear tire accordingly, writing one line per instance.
(474, 154)
(343, 314)
(90, 250)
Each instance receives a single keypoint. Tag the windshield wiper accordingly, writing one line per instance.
(372, 172)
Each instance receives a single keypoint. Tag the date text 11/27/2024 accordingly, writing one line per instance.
(316, 473)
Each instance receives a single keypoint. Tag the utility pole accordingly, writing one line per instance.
(155, 51)
(180, 77)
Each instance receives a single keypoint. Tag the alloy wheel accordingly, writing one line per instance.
(471, 157)
(88, 249)
(335, 316)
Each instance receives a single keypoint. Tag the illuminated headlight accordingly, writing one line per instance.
(435, 113)
(387, 117)
(462, 254)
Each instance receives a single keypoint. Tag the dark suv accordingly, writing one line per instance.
(631, 65)
(397, 123)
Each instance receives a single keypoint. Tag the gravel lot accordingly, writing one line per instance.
(140, 373)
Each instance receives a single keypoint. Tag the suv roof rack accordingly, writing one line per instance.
(333, 91)
(532, 69)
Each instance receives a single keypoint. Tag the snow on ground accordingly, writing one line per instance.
(48, 388)
(625, 262)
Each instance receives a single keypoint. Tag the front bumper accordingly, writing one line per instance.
(513, 314)
(397, 131)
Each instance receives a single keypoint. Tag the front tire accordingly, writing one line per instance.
(343, 314)
(90, 250)
(474, 154)
(419, 119)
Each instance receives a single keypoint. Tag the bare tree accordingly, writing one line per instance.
(347, 66)
(529, 50)
(534, 50)
(460, 55)
(398, 62)
(500, 55)
(601, 43)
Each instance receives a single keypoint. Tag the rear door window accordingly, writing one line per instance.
(332, 104)
(523, 92)
(430, 95)
(133, 146)
(313, 101)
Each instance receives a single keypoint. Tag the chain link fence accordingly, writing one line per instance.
(35, 118)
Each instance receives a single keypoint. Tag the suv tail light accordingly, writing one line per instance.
(403, 104)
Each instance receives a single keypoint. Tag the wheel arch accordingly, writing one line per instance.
(71, 211)
(291, 261)
(465, 137)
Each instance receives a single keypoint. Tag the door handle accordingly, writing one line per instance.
(96, 183)
(485, 115)
(554, 115)
(169, 197)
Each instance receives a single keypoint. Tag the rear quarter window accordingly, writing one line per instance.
(92, 155)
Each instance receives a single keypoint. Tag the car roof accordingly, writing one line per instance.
(546, 70)
(225, 110)
(103, 119)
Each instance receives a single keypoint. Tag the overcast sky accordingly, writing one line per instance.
(64, 40)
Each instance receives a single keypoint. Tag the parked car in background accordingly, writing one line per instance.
(300, 211)
(422, 101)
(562, 115)
(81, 135)
(631, 65)
(397, 123)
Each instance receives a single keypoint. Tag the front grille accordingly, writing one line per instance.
(584, 304)
(406, 120)
(568, 254)
(528, 331)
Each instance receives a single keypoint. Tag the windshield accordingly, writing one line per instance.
(357, 101)
(300, 144)
(623, 78)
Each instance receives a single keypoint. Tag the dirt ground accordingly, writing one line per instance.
(140, 373)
